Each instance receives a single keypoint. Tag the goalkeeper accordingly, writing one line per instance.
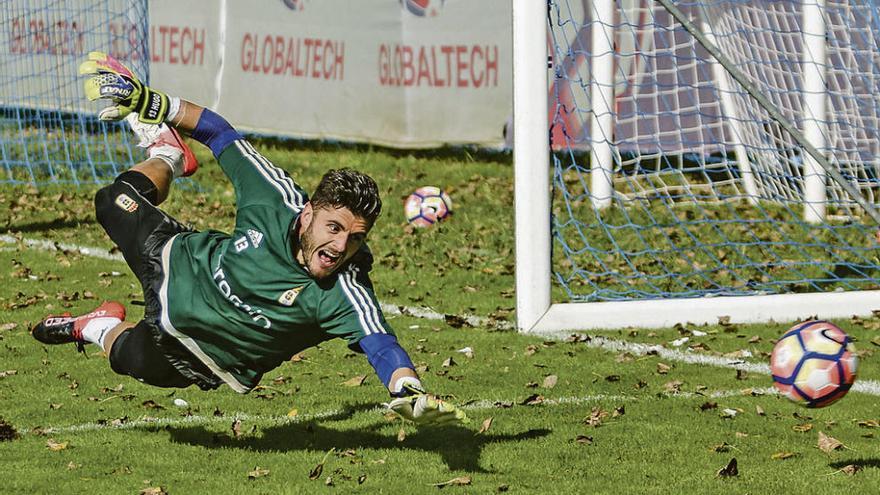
(227, 308)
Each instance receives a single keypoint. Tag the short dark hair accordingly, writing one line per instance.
(350, 189)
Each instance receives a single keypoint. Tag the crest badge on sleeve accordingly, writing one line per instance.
(289, 296)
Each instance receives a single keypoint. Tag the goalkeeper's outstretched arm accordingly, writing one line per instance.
(408, 397)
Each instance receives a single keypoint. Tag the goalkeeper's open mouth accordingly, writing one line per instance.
(328, 259)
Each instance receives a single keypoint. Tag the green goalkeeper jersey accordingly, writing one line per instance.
(242, 303)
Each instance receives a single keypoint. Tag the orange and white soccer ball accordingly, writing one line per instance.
(427, 206)
(814, 363)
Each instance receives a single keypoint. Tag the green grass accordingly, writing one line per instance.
(614, 422)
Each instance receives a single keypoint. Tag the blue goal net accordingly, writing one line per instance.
(48, 132)
(671, 181)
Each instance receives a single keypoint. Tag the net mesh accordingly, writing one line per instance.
(708, 190)
(48, 133)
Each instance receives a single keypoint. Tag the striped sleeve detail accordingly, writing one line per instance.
(276, 177)
(365, 306)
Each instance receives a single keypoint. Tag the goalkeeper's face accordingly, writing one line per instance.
(328, 238)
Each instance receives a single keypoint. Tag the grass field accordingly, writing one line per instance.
(632, 411)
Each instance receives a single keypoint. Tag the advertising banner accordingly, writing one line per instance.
(402, 73)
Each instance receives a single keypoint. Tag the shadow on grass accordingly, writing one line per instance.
(47, 225)
(458, 446)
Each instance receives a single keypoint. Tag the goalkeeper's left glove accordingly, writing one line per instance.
(113, 81)
(425, 409)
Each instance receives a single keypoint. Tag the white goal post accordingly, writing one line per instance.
(751, 144)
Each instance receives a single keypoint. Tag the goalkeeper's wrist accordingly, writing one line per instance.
(153, 106)
(406, 386)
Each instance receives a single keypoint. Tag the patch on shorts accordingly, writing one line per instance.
(126, 203)
(289, 296)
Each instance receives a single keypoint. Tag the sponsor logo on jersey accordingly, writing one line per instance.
(241, 244)
(226, 290)
(256, 237)
(289, 296)
(126, 203)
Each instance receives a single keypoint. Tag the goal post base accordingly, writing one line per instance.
(658, 313)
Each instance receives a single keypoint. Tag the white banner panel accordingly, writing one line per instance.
(403, 73)
(186, 50)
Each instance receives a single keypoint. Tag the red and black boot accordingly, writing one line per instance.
(66, 328)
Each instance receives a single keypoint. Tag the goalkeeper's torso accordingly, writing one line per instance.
(247, 304)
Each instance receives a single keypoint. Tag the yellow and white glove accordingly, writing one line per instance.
(424, 409)
(113, 81)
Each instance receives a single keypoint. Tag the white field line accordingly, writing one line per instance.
(44, 245)
(303, 418)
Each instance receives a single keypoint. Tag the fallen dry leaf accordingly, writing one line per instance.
(780, 456)
(760, 411)
(448, 363)
(151, 404)
(709, 405)
(456, 321)
(584, 440)
(532, 400)
(401, 435)
(850, 469)
(355, 381)
(597, 415)
(258, 472)
(625, 357)
(663, 369)
(673, 387)
(55, 446)
(236, 428)
(550, 381)
(153, 490)
(729, 470)
(316, 471)
(487, 423)
(460, 481)
(803, 427)
(828, 444)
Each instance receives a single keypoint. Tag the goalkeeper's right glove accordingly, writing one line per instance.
(425, 409)
(113, 81)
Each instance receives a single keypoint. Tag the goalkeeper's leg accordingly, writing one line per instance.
(170, 157)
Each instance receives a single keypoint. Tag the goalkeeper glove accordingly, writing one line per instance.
(113, 81)
(424, 409)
